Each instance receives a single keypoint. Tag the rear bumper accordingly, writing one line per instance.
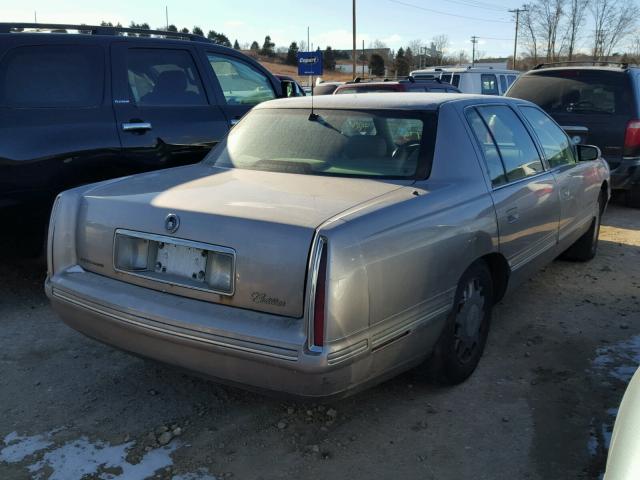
(201, 337)
(625, 173)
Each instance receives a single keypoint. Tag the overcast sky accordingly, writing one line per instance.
(395, 22)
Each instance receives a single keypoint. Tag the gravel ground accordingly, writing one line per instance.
(541, 404)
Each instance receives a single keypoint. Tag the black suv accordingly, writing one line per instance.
(107, 102)
(597, 104)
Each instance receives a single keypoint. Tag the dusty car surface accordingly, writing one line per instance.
(318, 252)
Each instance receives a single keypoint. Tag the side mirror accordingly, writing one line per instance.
(587, 153)
(288, 88)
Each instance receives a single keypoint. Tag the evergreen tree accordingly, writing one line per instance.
(172, 28)
(197, 31)
(219, 38)
(402, 66)
(292, 58)
(184, 30)
(376, 65)
(254, 46)
(267, 47)
(236, 45)
(329, 59)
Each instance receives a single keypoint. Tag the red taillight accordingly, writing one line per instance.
(318, 304)
(632, 137)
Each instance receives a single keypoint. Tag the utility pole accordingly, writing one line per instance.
(354, 41)
(474, 40)
(517, 11)
(35, 17)
(363, 60)
(166, 16)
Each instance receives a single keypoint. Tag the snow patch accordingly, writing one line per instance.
(19, 447)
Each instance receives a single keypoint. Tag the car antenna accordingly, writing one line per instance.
(312, 116)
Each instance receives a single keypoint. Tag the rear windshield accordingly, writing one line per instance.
(576, 91)
(383, 144)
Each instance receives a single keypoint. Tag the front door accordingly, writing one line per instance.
(241, 84)
(164, 116)
(572, 177)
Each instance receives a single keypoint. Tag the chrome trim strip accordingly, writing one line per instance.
(415, 316)
(534, 250)
(576, 128)
(182, 242)
(346, 353)
(315, 267)
(287, 354)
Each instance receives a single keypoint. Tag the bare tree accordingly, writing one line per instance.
(440, 44)
(547, 15)
(377, 44)
(529, 36)
(417, 47)
(613, 20)
(575, 20)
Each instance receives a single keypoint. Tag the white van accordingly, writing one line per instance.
(480, 80)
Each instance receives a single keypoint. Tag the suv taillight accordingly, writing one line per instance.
(319, 299)
(632, 138)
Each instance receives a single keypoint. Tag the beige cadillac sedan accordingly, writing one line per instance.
(315, 252)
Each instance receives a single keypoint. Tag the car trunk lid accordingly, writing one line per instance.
(267, 219)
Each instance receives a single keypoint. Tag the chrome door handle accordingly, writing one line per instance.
(566, 193)
(132, 126)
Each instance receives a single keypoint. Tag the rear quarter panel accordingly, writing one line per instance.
(397, 261)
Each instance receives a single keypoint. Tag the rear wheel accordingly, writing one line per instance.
(462, 342)
(586, 246)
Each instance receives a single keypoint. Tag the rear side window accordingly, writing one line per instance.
(577, 91)
(455, 80)
(52, 76)
(163, 77)
(489, 149)
(512, 141)
(554, 141)
(489, 84)
(241, 83)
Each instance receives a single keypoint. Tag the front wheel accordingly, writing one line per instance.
(462, 342)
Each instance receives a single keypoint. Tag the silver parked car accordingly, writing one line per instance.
(316, 252)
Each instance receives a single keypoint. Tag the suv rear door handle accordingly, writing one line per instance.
(132, 126)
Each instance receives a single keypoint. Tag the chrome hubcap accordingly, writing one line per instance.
(469, 321)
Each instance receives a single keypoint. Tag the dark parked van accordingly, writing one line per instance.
(106, 102)
(597, 105)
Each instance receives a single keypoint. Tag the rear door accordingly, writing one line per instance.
(593, 106)
(239, 83)
(164, 116)
(524, 193)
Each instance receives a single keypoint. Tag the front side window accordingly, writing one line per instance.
(331, 143)
(241, 84)
(554, 140)
(162, 77)
(489, 84)
(52, 76)
(514, 144)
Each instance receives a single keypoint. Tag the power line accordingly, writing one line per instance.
(471, 3)
(446, 13)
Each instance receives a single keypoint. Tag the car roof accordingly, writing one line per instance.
(607, 68)
(385, 101)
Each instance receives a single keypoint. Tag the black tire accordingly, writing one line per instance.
(462, 341)
(633, 196)
(586, 247)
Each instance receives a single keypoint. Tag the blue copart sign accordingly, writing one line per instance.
(309, 63)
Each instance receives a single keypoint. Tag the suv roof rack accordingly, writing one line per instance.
(576, 63)
(97, 30)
